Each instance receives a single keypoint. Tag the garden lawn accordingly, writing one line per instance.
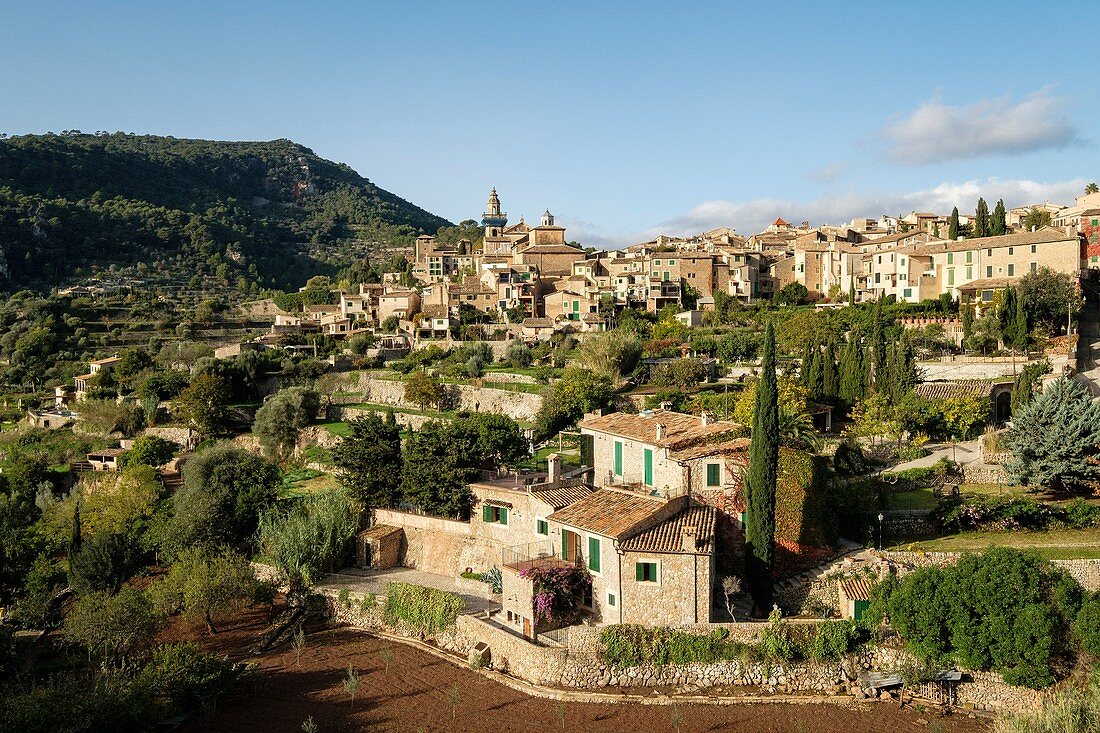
(1059, 544)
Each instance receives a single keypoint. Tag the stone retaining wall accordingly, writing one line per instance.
(516, 405)
(406, 420)
(980, 473)
(578, 665)
(1085, 572)
(907, 523)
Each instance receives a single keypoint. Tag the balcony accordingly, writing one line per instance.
(533, 554)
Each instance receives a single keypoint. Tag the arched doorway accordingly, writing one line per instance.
(1004, 406)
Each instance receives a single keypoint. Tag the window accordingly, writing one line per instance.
(1010, 251)
(950, 258)
(969, 257)
(1011, 270)
(969, 273)
(594, 554)
(1033, 246)
(989, 252)
(714, 474)
(570, 545)
(989, 270)
(647, 462)
(618, 458)
(586, 597)
(645, 572)
(907, 293)
(611, 599)
(657, 263)
(950, 276)
(494, 514)
(1095, 222)
(542, 527)
(1035, 266)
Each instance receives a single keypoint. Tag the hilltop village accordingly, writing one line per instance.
(795, 462)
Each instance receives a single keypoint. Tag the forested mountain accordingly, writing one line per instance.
(268, 213)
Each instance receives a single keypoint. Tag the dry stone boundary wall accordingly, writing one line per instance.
(576, 664)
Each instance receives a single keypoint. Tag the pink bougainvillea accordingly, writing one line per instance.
(557, 589)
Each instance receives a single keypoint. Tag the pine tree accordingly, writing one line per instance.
(999, 226)
(761, 479)
(1054, 438)
(981, 219)
(953, 226)
(830, 377)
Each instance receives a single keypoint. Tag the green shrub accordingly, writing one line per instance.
(776, 643)
(187, 676)
(630, 645)
(1086, 627)
(426, 610)
(833, 640)
(1003, 610)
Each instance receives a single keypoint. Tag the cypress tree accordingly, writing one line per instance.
(885, 382)
(981, 219)
(75, 539)
(852, 291)
(904, 376)
(830, 378)
(853, 373)
(817, 376)
(1006, 316)
(761, 478)
(953, 226)
(967, 320)
(1021, 329)
(878, 347)
(807, 364)
(999, 226)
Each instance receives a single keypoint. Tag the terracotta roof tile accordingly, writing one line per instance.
(948, 390)
(857, 589)
(668, 535)
(560, 497)
(737, 445)
(681, 430)
(608, 513)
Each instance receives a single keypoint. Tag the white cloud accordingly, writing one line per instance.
(752, 216)
(935, 132)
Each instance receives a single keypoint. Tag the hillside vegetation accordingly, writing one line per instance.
(267, 214)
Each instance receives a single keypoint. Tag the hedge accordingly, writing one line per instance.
(422, 609)
(802, 514)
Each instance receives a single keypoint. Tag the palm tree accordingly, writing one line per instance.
(1092, 188)
(796, 429)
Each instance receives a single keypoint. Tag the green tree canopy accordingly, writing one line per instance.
(1055, 438)
(369, 460)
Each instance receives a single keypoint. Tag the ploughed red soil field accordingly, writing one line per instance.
(420, 692)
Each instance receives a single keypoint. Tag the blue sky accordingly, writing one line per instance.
(625, 119)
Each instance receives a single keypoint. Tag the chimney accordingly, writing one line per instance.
(553, 468)
(660, 431)
(666, 405)
(704, 418)
(687, 537)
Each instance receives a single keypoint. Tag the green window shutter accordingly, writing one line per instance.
(541, 527)
(648, 454)
(713, 474)
(594, 554)
(618, 458)
(503, 515)
(565, 544)
(486, 513)
(639, 571)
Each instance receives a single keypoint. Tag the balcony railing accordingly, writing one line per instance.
(532, 554)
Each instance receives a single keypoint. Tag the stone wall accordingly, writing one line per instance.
(406, 420)
(516, 405)
(981, 473)
(907, 523)
(576, 662)
(1085, 572)
(440, 546)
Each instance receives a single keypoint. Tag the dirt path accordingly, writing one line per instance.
(420, 692)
